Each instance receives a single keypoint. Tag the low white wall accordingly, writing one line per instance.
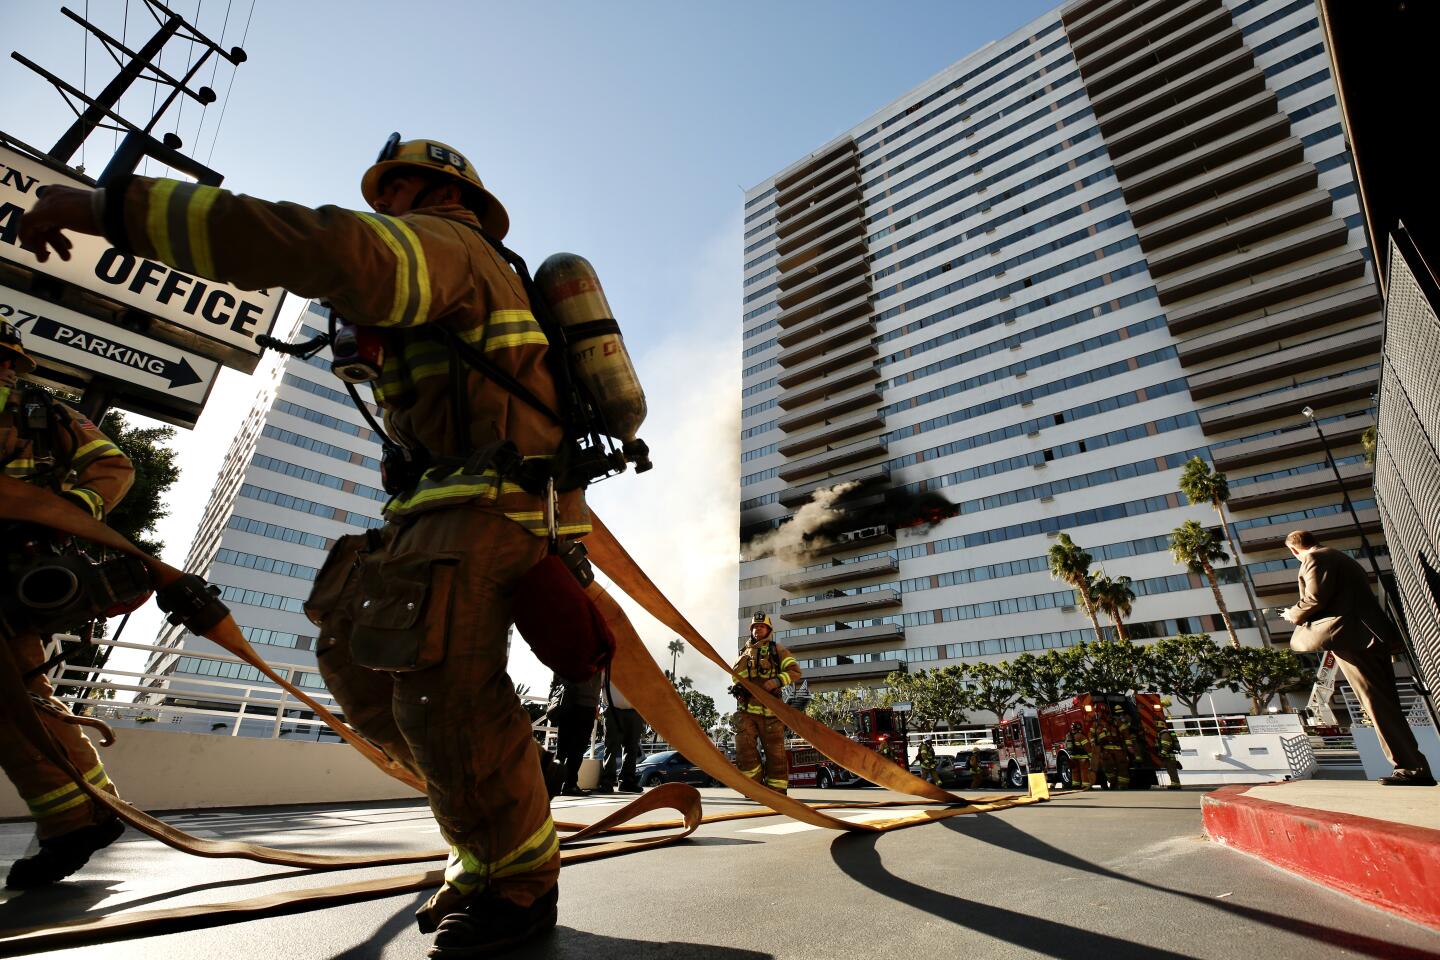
(1372, 758)
(1245, 758)
(162, 770)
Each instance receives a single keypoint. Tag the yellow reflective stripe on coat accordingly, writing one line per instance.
(467, 873)
(96, 502)
(457, 486)
(68, 797)
(92, 451)
(507, 328)
(412, 277)
(176, 219)
(20, 467)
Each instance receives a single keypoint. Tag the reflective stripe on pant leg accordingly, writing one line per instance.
(466, 872)
(64, 798)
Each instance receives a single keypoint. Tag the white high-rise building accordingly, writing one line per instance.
(303, 471)
(1035, 285)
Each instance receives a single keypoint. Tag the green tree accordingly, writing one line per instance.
(676, 647)
(833, 708)
(1113, 596)
(1110, 666)
(1185, 667)
(1199, 549)
(935, 696)
(1070, 563)
(1367, 441)
(1262, 672)
(1048, 678)
(1200, 484)
(993, 688)
(701, 707)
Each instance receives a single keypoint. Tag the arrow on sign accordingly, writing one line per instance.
(178, 372)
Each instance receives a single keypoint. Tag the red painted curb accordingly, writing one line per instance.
(1391, 865)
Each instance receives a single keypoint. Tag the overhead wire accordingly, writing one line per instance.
(85, 70)
(223, 106)
(214, 69)
(124, 30)
(190, 62)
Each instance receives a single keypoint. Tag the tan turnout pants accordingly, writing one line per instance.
(456, 722)
(751, 731)
(55, 801)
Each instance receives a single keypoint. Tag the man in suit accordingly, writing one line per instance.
(1337, 612)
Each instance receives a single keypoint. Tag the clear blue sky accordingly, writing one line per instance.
(622, 131)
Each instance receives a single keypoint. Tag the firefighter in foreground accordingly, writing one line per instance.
(1077, 745)
(46, 443)
(929, 765)
(772, 666)
(413, 617)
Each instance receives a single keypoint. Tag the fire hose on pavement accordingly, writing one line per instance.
(633, 670)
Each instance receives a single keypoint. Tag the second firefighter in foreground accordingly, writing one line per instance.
(767, 663)
(413, 617)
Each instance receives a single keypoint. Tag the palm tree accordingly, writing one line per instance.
(676, 647)
(1199, 548)
(1113, 597)
(1200, 484)
(1070, 564)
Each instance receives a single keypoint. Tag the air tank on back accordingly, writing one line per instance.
(572, 290)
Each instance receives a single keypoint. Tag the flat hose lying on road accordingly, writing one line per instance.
(634, 671)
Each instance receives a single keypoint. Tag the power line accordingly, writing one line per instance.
(243, 37)
(190, 63)
(214, 69)
(124, 31)
(85, 69)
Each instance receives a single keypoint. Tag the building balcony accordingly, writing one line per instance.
(1292, 443)
(839, 573)
(837, 299)
(829, 363)
(842, 175)
(1163, 117)
(832, 339)
(1287, 360)
(831, 459)
(1085, 17)
(833, 407)
(1268, 291)
(1292, 321)
(1203, 188)
(846, 312)
(851, 637)
(1237, 220)
(1245, 263)
(1316, 483)
(825, 262)
(1337, 526)
(864, 538)
(1285, 404)
(1236, 146)
(1184, 35)
(818, 212)
(1162, 71)
(842, 160)
(832, 433)
(819, 284)
(840, 236)
(1284, 583)
(869, 670)
(1136, 31)
(842, 606)
(1200, 135)
(828, 386)
(877, 473)
(794, 176)
(850, 213)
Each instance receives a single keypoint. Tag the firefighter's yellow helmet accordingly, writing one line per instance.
(11, 348)
(435, 157)
(762, 620)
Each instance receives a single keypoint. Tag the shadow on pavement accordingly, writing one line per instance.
(374, 946)
(64, 901)
(857, 857)
(1006, 836)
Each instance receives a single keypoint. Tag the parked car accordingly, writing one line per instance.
(670, 767)
(945, 769)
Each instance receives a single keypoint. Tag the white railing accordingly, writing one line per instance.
(255, 708)
(1210, 725)
(1410, 702)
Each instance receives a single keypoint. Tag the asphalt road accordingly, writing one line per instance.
(1101, 875)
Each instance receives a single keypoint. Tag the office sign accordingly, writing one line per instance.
(227, 317)
(163, 379)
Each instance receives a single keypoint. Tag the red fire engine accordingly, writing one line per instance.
(877, 730)
(1035, 740)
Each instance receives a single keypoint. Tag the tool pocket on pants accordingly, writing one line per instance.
(333, 584)
(402, 617)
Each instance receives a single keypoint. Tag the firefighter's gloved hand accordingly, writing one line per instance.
(772, 686)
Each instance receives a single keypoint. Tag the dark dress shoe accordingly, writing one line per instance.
(1421, 779)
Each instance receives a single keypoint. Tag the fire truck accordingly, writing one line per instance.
(1035, 740)
(878, 730)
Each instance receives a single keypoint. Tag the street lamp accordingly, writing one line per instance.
(1416, 677)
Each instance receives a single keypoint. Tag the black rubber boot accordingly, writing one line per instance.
(490, 924)
(63, 855)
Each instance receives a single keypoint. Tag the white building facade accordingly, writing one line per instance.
(1035, 285)
(302, 472)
